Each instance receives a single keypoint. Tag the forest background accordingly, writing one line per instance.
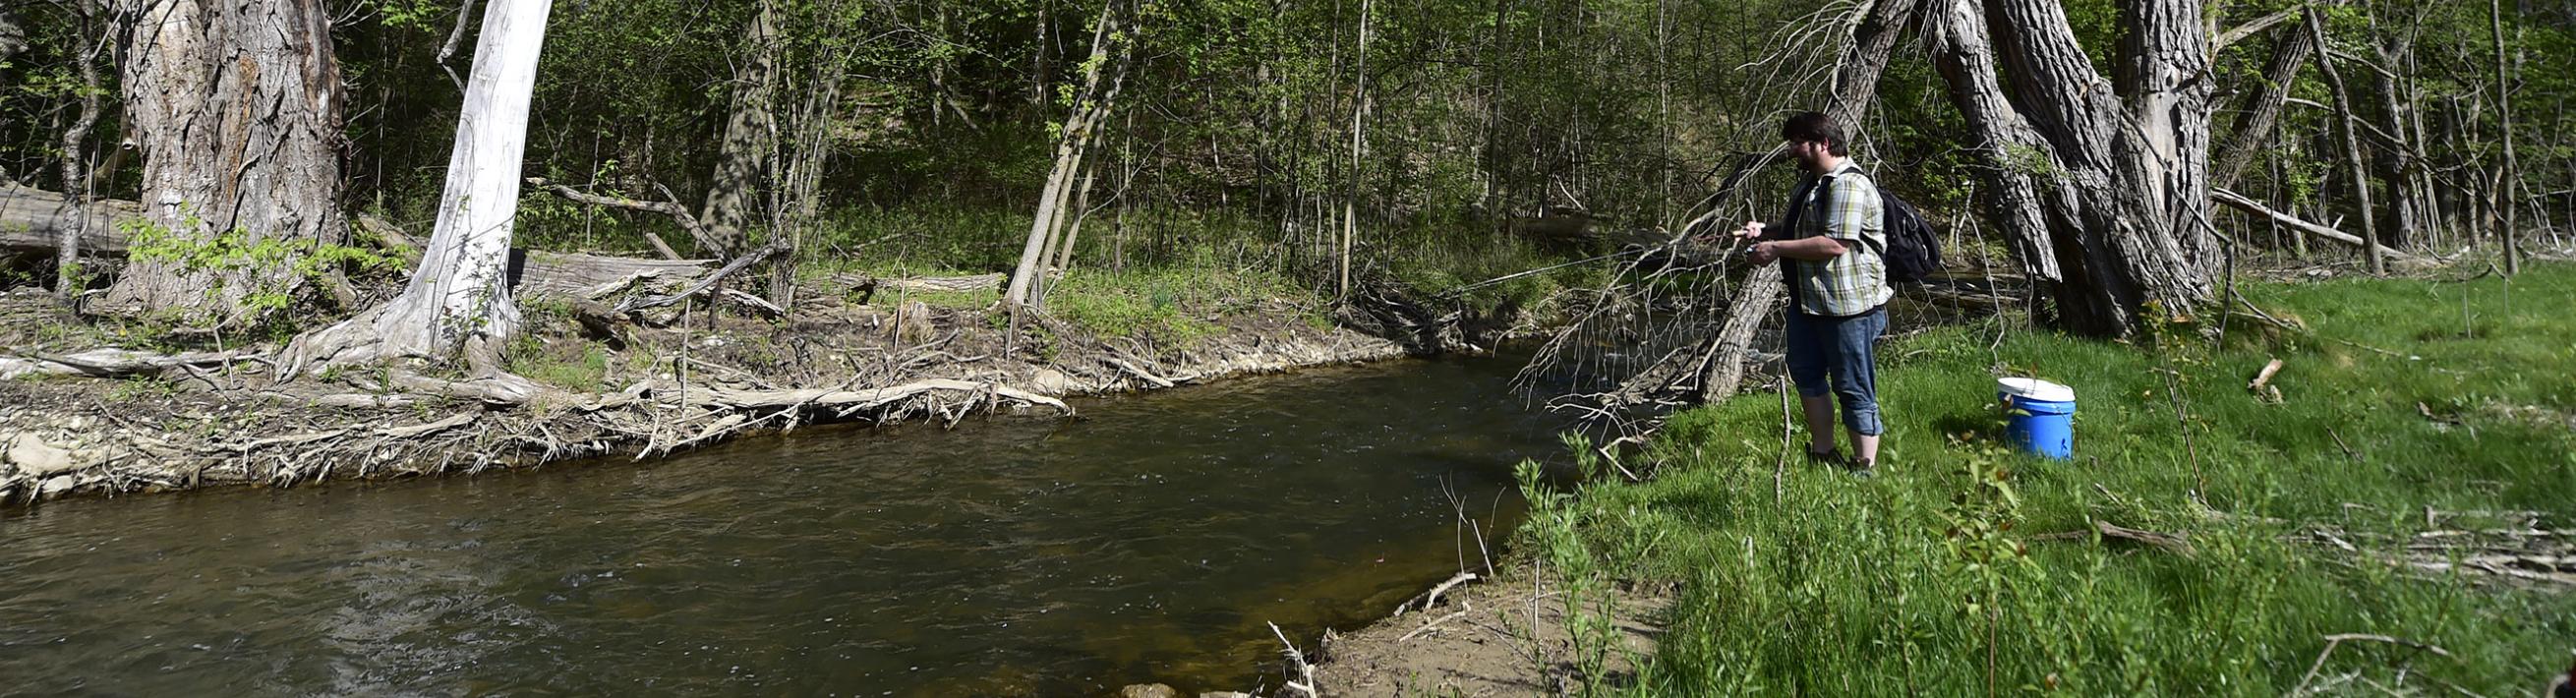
(1439, 143)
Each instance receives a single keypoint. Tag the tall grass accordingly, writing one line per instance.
(1935, 578)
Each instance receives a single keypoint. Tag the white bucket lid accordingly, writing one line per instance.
(2035, 389)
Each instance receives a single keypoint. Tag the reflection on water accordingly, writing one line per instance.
(1149, 540)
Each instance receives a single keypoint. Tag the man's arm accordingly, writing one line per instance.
(1814, 249)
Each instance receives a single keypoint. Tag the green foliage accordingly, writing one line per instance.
(277, 268)
(1962, 569)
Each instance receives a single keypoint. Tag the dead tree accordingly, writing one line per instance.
(235, 107)
(458, 303)
(2100, 185)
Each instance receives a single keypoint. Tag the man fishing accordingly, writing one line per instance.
(1831, 246)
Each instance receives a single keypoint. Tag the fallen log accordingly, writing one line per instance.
(868, 286)
(2239, 202)
(31, 218)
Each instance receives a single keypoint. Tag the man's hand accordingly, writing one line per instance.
(1752, 230)
(1763, 253)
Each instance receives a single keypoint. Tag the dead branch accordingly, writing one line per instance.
(1432, 597)
(633, 304)
(2239, 202)
(678, 214)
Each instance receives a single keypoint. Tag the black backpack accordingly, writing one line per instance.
(1913, 251)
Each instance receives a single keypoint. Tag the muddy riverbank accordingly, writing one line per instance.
(631, 391)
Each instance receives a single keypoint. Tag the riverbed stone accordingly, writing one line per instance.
(36, 459)
(58, 485)
(1149, 690)
(1048, 381)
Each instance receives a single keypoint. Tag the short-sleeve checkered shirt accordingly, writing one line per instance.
(1855, 281)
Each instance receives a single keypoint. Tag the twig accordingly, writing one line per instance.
(1297, 660)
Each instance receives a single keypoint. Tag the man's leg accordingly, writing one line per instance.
(1806, 355)
(1855, 374)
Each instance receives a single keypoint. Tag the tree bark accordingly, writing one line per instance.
(2105, 202)
(459, 302)
(2261, 109)
(13, 38)
(235, 107)
(749, 136)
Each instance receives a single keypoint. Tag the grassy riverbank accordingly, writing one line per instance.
(2414, 420)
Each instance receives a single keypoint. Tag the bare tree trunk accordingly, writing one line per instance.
(2512, 168)
(67, 274)
(1090, 110)
(2105, 202)
(2351, 145)
(459, 301)
(2261, 109)
(748, 136)
(235, 106)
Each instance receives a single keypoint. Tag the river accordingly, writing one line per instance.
(1150, 539)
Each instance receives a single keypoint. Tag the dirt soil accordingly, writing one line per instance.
(1476, 640)
(628, 389)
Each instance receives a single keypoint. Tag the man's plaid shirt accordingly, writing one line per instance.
(1855, 281)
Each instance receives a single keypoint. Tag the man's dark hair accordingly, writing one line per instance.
(1815, 127)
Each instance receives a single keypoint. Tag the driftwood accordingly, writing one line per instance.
(2262, 383)
(112, 362)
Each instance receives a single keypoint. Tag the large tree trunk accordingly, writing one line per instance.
(749, 136)
(459, 301)
(235, 106)
(2106, 202)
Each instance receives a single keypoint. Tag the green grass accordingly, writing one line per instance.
(1930, 576)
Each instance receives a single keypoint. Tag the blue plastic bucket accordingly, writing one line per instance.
(2039, 416)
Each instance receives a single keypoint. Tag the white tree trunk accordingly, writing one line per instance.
(458, 301)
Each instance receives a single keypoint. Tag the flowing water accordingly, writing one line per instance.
(1149, 540)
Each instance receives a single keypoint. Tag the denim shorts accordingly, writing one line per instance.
(1839, 355)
